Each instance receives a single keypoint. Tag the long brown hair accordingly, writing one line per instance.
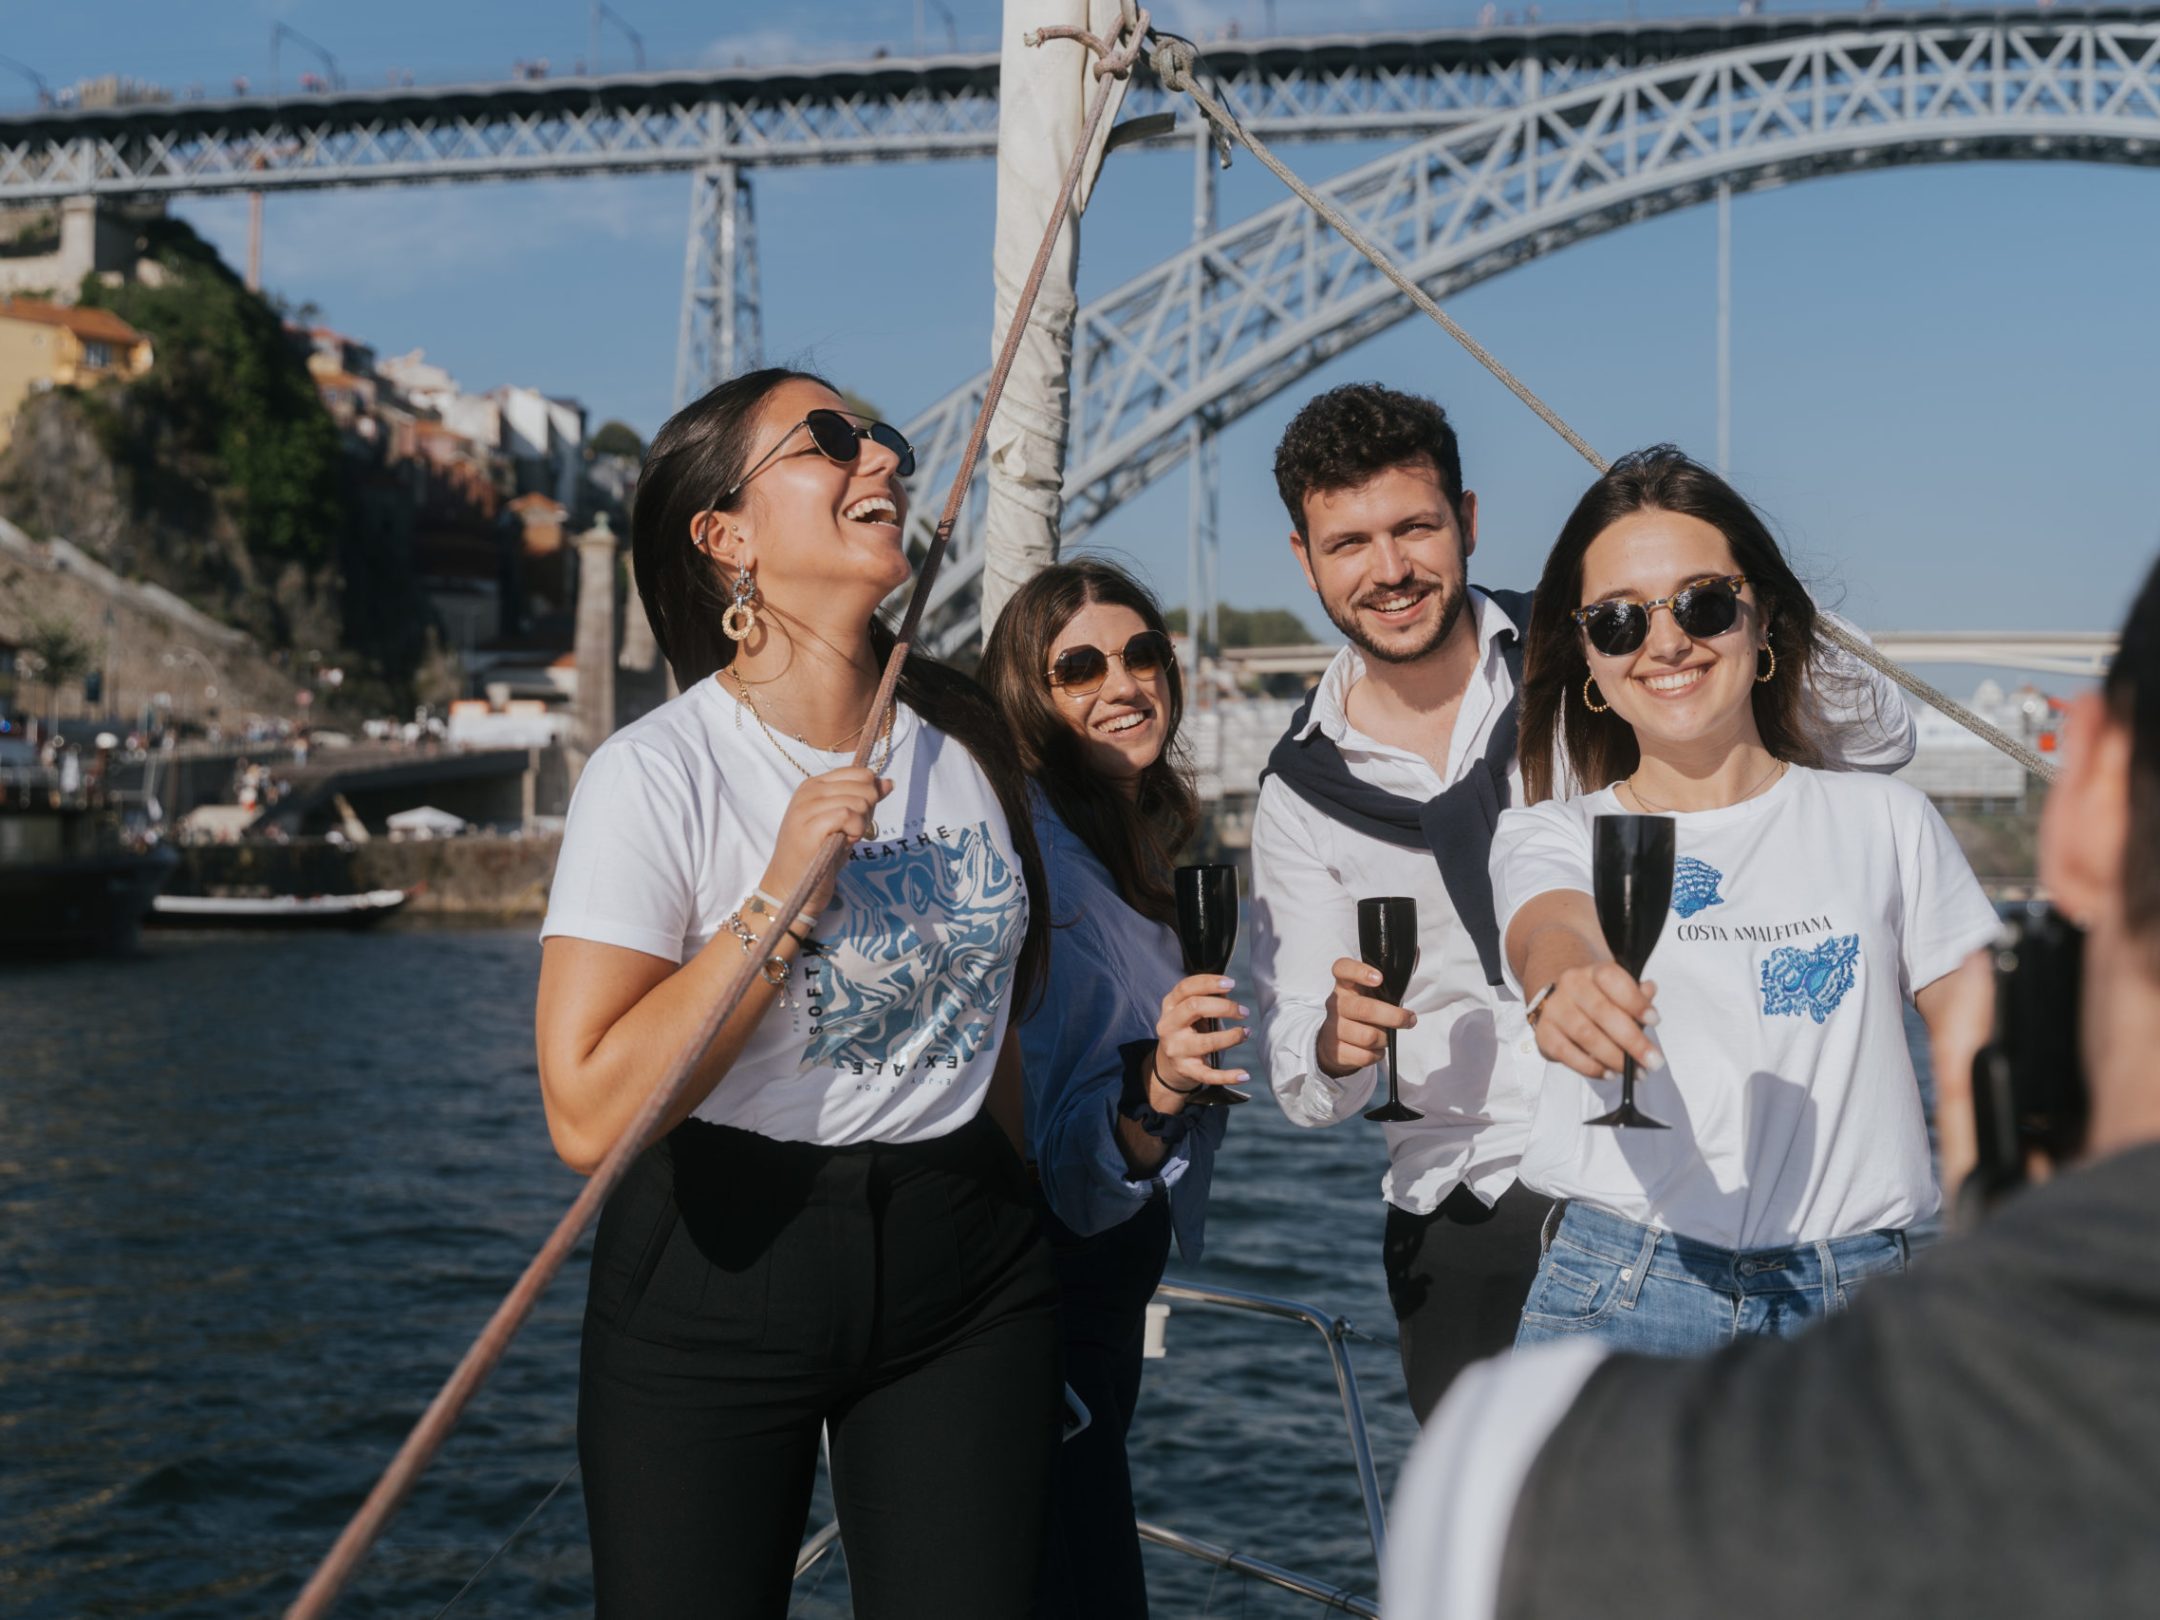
(705, 448)
(1601, 747)
(1137, 838)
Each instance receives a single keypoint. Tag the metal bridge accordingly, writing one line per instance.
(721, 125)
(1519, 142)
(2084, 654)
(1164, 362)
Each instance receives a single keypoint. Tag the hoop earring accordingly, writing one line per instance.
(741, 616)
(1772, 670)
(1590, 703)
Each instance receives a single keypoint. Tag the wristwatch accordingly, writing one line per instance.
(1536, 1007)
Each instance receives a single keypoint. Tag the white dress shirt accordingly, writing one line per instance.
(1309, 872)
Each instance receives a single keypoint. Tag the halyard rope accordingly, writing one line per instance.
(1115, 59)
(1174, 60)
(473, 1579)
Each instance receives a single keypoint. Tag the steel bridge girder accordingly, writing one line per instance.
(1234, 319)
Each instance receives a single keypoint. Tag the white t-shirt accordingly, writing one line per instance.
(1802, 922)
(900, 1003)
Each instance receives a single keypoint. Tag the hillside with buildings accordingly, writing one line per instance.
(318, 508)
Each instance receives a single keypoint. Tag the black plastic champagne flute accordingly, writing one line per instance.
(1631, 878)
(1207, 913)
(1387, 940)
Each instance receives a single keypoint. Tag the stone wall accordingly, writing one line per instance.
(473, 876)
(150, 642)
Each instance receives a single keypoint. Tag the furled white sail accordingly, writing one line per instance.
(1043, 93)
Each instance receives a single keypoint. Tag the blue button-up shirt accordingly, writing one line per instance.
(1109, 970)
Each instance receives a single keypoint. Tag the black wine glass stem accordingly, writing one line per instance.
(1627, 1081)
(1394, 1085)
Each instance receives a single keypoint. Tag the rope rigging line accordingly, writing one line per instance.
(1114, 60)
(1174, 61)
(473, 1580)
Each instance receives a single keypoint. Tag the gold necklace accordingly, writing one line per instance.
(736, 673)
(1777, 768)
(885, 733)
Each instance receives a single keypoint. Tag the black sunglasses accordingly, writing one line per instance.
(1080, 670)
(1705, 608)
(838, 439)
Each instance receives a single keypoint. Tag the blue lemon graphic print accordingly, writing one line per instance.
(1810, 983)
(1695, 886)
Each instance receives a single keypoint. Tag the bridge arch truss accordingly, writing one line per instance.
(1220, 327)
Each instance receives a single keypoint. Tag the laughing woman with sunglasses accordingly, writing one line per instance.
(836, 1235)
(1117, 1070)
(1810, 907)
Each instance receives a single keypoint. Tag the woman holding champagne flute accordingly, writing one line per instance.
(1120, 1052)
(1808, 907)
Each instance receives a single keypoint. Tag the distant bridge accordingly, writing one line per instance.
(1341, 87)
(2075, 653)
(1519, 141)
(2079, 653)
(1559, 131)
(1163, 363)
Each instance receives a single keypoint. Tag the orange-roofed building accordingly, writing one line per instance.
(48, 346)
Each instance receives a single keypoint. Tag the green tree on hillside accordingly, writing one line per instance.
(1251, 627)
(227, 387)
(53, 654)
(618, 439)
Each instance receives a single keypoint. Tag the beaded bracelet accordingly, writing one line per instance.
(761, 901)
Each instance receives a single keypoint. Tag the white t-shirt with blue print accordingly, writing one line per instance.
(1802, 923)
(897, 1008)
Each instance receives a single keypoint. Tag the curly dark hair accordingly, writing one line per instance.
(1344, 437)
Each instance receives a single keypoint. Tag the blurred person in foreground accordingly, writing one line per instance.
(1981, 1439)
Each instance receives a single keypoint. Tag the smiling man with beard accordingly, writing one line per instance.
(1390, 781)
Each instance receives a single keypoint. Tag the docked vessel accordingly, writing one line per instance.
(276, 911)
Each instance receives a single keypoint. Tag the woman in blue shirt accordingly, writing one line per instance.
(1082, 667)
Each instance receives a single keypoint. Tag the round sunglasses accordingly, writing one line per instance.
(838, 439)
(1081, 670)
(1705, 608)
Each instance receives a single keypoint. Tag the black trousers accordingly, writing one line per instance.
(1091, 1567)
(747, 1293)
(1458, 1279)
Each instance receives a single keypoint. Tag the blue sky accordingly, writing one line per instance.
(1944, 384)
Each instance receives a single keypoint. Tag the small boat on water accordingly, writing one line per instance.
(279, 911)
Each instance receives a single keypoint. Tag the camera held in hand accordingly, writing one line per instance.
(2029, 1088)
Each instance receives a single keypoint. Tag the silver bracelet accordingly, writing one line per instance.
(773, 970)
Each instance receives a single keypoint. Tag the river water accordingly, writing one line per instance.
(257, 1194)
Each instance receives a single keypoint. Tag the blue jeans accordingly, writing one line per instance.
(1657, 1293)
